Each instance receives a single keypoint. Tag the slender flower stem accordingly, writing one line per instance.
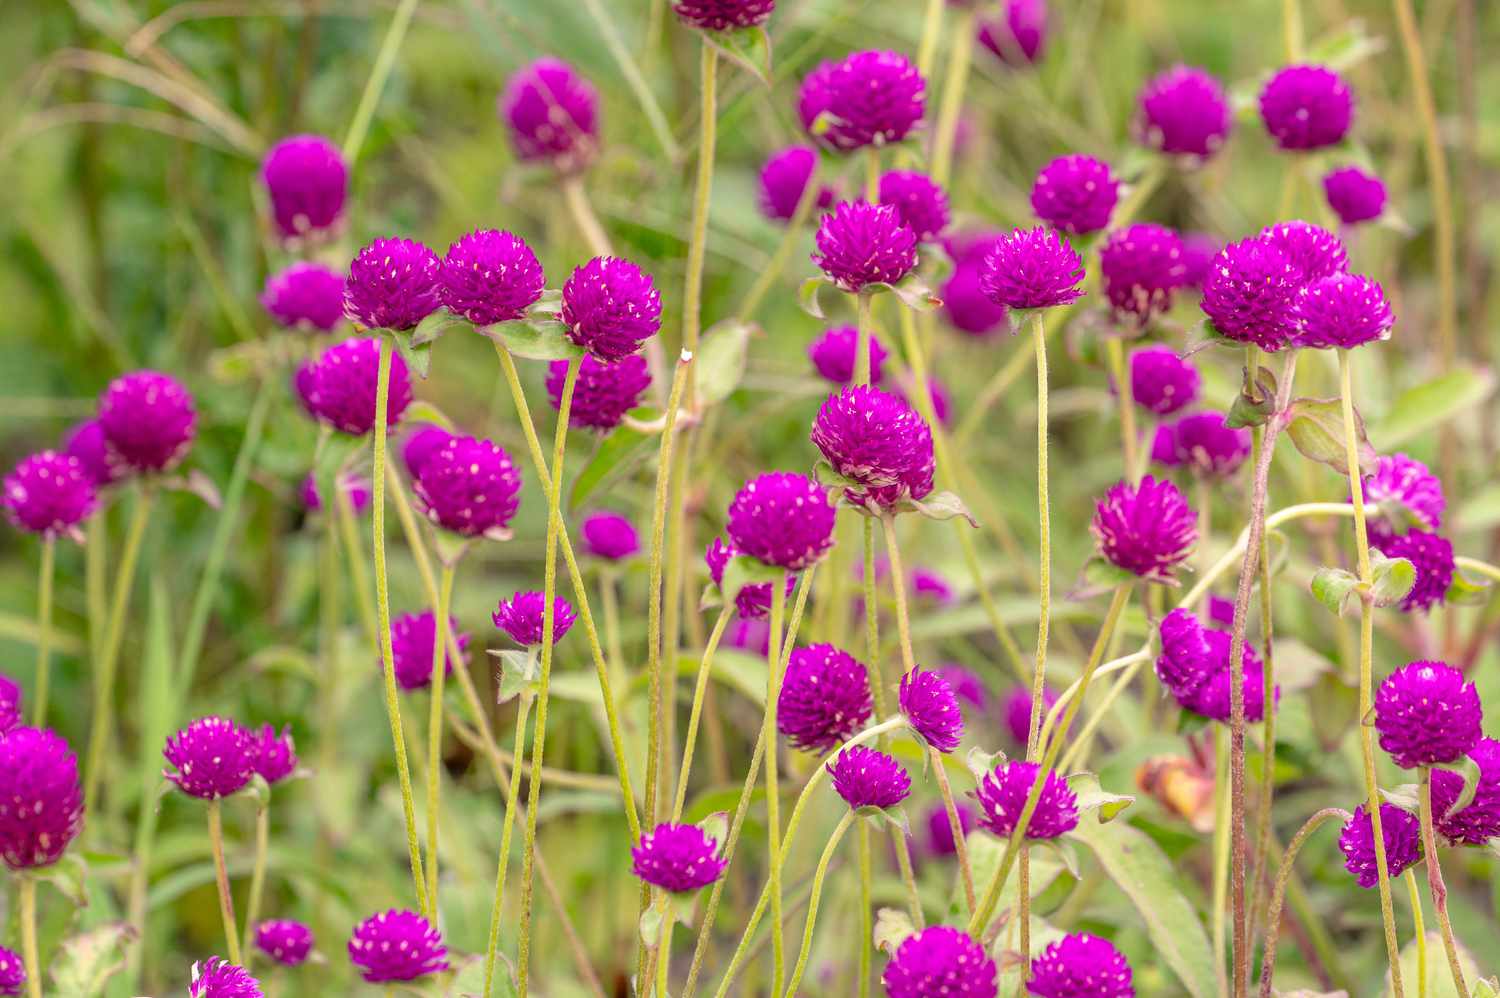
(705, 667)
(862, 350)
(45, 576)
(1221, 851)
(1435, 885)
(257, 873)
(29, 953)
(791, 236)
(512, 796)
(1283, 877)
(435, 728)
(872, 174)
(1126, 401)
(812, 904)
(221, 879)
(582, 210)
(866, 919)
(634, 78)
(385, 60)
(1419, 931)
(94, 557)
(960, 57)
(932, 27)
(773, 794)
(343, 514)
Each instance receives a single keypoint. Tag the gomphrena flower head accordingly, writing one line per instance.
(397, 945)
(834, 353)
(1479, 822)
(1188, 660)
(825, 698)
(940, 830)
(305, 387)
(490, 276)
(610, 307)
(351, 486)
(1162, 382)
(1198, 252)
(1343, 311)
(753, 601)
(12, 972)
(87, 443)
(10, 704)
(968, 686)
(1164, 446)
(49, 494)
(469, 486)
(1080, 965)
(41, 800)
(860, 244)
(1306, 107)
(1403, 843)
(1425, 713)
(931, 708)
(305, 296)
(218, 978)
(1184, 112)
(1313, 250)
(412, 641)
(1075, 193)
(604, 392)
(610, 536)
(868, 98)
(919, 200)
(723, 15)
(867, 778)
(929, 584)
(344, 382)
(966, 306)
(553, 115)
(287, 942)
(1032, 268)
(214, 757)
(1017, 711)
(393, 284)
(678, 858)
(1141, 265)
(307, 181)
(421, 443)
(1432, 556)
(275, 753)
(1354, 195)
(876, 439)
(1407, 493)
(1250, 293)
(1212, 699)
(783, 519)
(149, 421)
(1017, 33)
(1002, 796)
(1147, 529)
(783, 180)
(523, 617)
(1207, 443)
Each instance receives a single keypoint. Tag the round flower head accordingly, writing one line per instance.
(148, 420)
(1250, 293)
(307, 182)
(1198, 252)
(86, 442)
(214, 757)
(1432, 556)
(753, 601)
(1081, 966)
(1479, 822)
(216, 978)
(1164, 446)
(470, 487)
(825, 698)
(1141, 265)
(420, 444)
(1032, 268)
(1184, 112)
(49, 494)
(833, 355)
(678, 858)
(10, 704)
(412, 639)
(1313, 250)
(749, 635)
(783, 519)
(1403, 843)
(783, 180)
(927, 584)
(1075, 194)
(867, 778)
(1407, 493)
(553, 115)
(610, 536)
(1002, 796)
(1212, 699)
(305, 387)
(305, 296)
(1306, 107)
(1425, 713)
(1016, 34)
(874, 438)
(1209, 445)
(523, 617)
(490, 276)
(931, 708)
(940, 829)
(397, 945)
(919, 201)
(352, 487)
(1354, 195)
(1343, 311)
(1162, 382)
(393, 284)
(861, 244)
(1189, 657)
(1017, 711)
(12, 972)
(345, 379)
(42, 809)
(287, 942)
(723, 15)
(965, 304)
(604, 392)
(275, 753)
(1147, 529)
(868, 98)
(610, 307)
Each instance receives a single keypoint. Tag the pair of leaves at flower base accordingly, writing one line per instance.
(934, 506)
(1390, 580)
(912, 290)
(680, 906)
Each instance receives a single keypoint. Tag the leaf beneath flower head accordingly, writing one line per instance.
(914, 294)
(743, 571)
(749, 47)
(892, 928)
(535, 339)
(940, 506)
(1333, 587)
(1467, 768)
(1316, 427)
(807, 296)
(1390, 579)
(1466, 591)
(418, 355)
(518, 673)
(1092, 797)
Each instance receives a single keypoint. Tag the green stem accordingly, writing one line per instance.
(385, 60)
(866, 915)
(773, 791)
(1221, 852)
(258, 873)
(872, 173)
(960, 58)
(1120, 371)
(44, 630)
(1437, 888)
(354, 553)
(791, 236)
(29, 953)
(862, 350)
(221, 879)
(512, 796)
(812, 904)
(705, 667)
(1283, 877)
(1481, 567)
(1419, 931)
(582, 210)
(1044, 533)
(634, 78)
(435, 728)
(932, 27)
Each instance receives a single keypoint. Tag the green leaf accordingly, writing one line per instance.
(518, 673)
(1432, 403)
(651, 924)
(1390, 579)
(613, 457)
(1100, 573)
(1247, 411)
(431, 329)
(1406, 796)
(1469, 769)
(1091, 797)
(1439, 983)
(749, 47)
(418, 355)
(743, 571)
(982, 763)
(69, 875)
(1316, 427)
(423, 411)
(892, 928)
(1333, 587)
(334, 454)
(535, 339)
(807, 296)
(1345, 48)
(85, 962)
(716, 827)
(1464, 590)
(721, 360)
(1486, 987)
(939, 506)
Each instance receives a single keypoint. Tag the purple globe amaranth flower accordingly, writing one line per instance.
(1306, 107)
(553, 115)
(1164, 446)
(275, 753)
(86, 442)
(1408, 495)
(523, 617)
(305, 387)
(1432, 557)
(867, 778)
(307, 181)
(10, 704)
(678, 858)
(1002, 795)
(1198, 252)
(218, 978)
(1343, 311)
(860, 244)
(490, 276)
(1250, 294)
(603, 392)
(412, 641)
(1032, 268)
(919, 201)
(49, 494)
(1141, 265)
(1209, 445)
(610, 307)
(397, 945)
(1184, 112)
(1425, 714)
(149, 421)
(1162, 382)
(1080, 965)
(834, 354)
(1075, 193)
(825, 698)
(784, 179)
(874, 438)
(723, 15)
(214, 757)
(868, 98)
(1354, 195)
(393, 284)
(1313, 250)
(344, 383)
(420, 444)
(1194, 666)
(41, 800)
(609, 536)
(940, 962)
(937, 394)
(1479, 822)
(351, 486)
(1147, 529)
(1016, 34)
(929, 705)
(929, 584)
(753, 601)
(1221, 611)
(1213, 698)
(305, 296)
(288, 943)
(783, 519)
(469, 486)
(940, 829)
(965, 304)
(1017, 711)
(12, 972)
(749, 634)
(1403, 843)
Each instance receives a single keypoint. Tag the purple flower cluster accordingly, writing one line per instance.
(860, 244)
(523, 617)
(1075, 193)
(10, 704)
(1479, 822)
(1002, 795)
(1306, 107)
(931, 708)
(1147, 529)
(678, 858)
(1184, 112)
(49, 494)
(306, 296)
(340, 386)
(1342, 311)
(1403, 843)
(875, 439)
(867, 778)
(835, 353)
(412, 642)
(1432, 557)
(1141, 265)
(12, 972)
(87, 443)
(148, 420)
(825, 698)
(603, 392)
(1205, 443)
(783, 519)
(940, 841)
(1162, 382)
(1017, 33)
(393, 284)
(1032, 268)
(288, 943)
(350, 486)
(609, 536)
(1354, 195)
(218, 978)
(920, 202)
(753, 601)
(610, 307)
(1425, 714)
(1194, 666)
(41, 800)
(397, 945)
(275, 753)
(783, 180)
(470, 487)
(868, 98)
(1081, 965)
(1016, 711)
(553, 115)
(307, 182)
(490, 276)
(1250, 294)
(1407, 495)
(213, 757)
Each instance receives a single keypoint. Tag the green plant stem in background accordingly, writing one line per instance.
(773, 793)
(29, 953)
(791, 236)
(960, 57)
(257, 873)
(354, 554)
(932, 29)
(1129, 442)
(45, 575)
(512, 796)
(385, 60)
(582, 210)
(812, 906)
(705, 667)
(1278, 892)
(862, 945)
(872, 176)
(221, 880)
(1221, 852)
(1419, 931)
(435, 728)
(862, 349)
(1435, 885)
(634, 78)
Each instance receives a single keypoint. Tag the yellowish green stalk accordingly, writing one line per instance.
(1419, 931)
(512, 797)
(773, 792)
(812, 906)
(29, 953)
(1436, 887)
(1279, 891)
(960, 57)
(44, 631)
(221, 880)
(435, 728)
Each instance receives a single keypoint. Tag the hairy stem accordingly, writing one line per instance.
(221, 880)
(812, 905)
(1437, 888)
(1278, 893)
(512, 797)
(29, 954)
(1120, 370)
(45, 575)
(705, 667)
(773, 794)
(435, 728)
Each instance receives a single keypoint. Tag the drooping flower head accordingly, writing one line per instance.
(1354, 195)
(10, 704)
(306, 296)
(919, 200)
(1306, 107)
(344, 382)
(1017, 711)
(523, 617)
(610, 307)
(1479, 822)
(753, 601)
(1032, 268)
(783, 519)
(860, 244)
(307, 182)
(1184, 112)
(1425, 713)
(217, 978)
(1002, 796)
(1075, 194)
(421, 443)
(469, 486)
(1407, 495)
(940, 829)
(1403, 843)
(928, 702)
(1250, 293)
(1315, 252)
(1017, 33)
(1147, 529)
(825, 698)
(275, 753)
(783, 180)
(1141, 265)
(604, 392)
(49, 494)
(1162, 382)
(1343, 311)
(868, 98)
(43, 810)
(553, 115)
(12, 972)
(678, 858)
(288, 943)
(86, 442)
(412, 641)
(352, 487)
(609, 536)
(1432, 557)
(723, 15)
(865, 777)
(834, 354)
(397, 945)
(876, 439)
(393, 284)
(1080, 965)
(214, 757)
(490, 276)
(149, 421)
(1209, 445)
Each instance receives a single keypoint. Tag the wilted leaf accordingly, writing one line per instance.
(912, 292)
(940, 506)
(85, 963)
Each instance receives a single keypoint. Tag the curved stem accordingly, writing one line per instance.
(1128, 666)
(773, 794)
(960, 57)
(644, 98)
(45, 574)
(1419, 931)
(221, 880)
(1437, 888)
(812, 904)
(1480, 567)
(385, 60)
(435, 728)
(1278, 893)
(257, 874)
(582, 210)
(512, 796)
(791, 236)
(29, 954)
(705, 667)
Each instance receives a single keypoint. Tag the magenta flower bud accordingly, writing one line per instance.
(1479, 822)
(940, 840)
(965, 304)
(867, 778)
(1408, 495)
(1194, 666)
(214, 757)
(307, 296)
(397, 945)
(610, 536)
(1306, 107)
(344, 381)
(10, 704)
(1198, 252)
(1184, 112)
(678, 858)
(288, 943)
(12, 972)
(1162, 382)
(43, 810)
(553, 115)
(1426, 714)
(919, 201)
(275, 754)
(351, 486)
(1250, 294)
(928, 584)
(874, 438)
(783, 180)
(929, 705)
(423, 442)
(610, 307)
(1017, 711)
(1212, 699)
(523, 617)
(1032, 268)
(1147, 529)
(834, 353)
(1002, 796)
(1080, 965)
(470, 487)
(825, 698)
(307, 181)
(149, 421)
(412, 641)
(1432, 557)
(49, 494)
(1403, 843)
(1312, 249)
(860, 244)
(940, 962)
(490, 276)
(783, 519)
(604, 392)
(1342, 312)
(1354, 195)
(867, 99)
(1141, 265)
(754, 601)
(723, 15)
(1207, 443)
(86, 442)
(1075, 193)
(393, 284)
(217, 978)
(1017, 33)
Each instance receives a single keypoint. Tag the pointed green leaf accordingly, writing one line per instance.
(1469, 770)
(1091, 797)
(721, 360)
(743, 571)
(939, 506)
(535, 339)
(1333, 587)
(1466, 591)
(418, 355)
(749, 47)
(807, 296)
